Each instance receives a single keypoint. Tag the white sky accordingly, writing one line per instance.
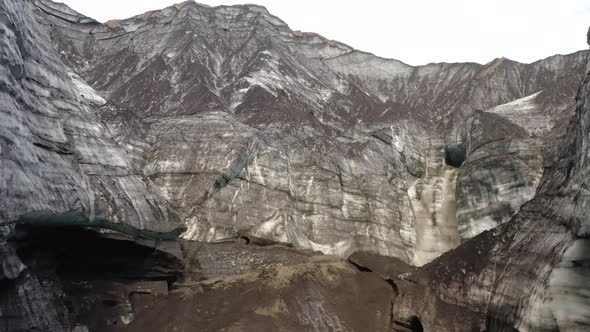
(414, 31)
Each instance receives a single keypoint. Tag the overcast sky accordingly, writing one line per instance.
(418, 31)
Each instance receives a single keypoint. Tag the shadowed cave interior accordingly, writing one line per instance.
(455, 155)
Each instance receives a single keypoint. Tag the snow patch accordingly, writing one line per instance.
(525, 113)
(86, 90)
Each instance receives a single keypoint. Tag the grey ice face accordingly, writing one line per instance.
(246, 127)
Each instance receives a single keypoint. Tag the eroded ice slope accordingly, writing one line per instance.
(250, 128)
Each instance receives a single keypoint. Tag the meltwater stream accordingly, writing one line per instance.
(435, 223)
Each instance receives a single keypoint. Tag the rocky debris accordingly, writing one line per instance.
(105, 281)
(322, 293)
(392, 270)
(386, 267)
(218, 260)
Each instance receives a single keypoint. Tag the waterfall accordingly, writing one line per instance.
(435, 223)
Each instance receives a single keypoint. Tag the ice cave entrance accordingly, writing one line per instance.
(455, 155)
(416, 324)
